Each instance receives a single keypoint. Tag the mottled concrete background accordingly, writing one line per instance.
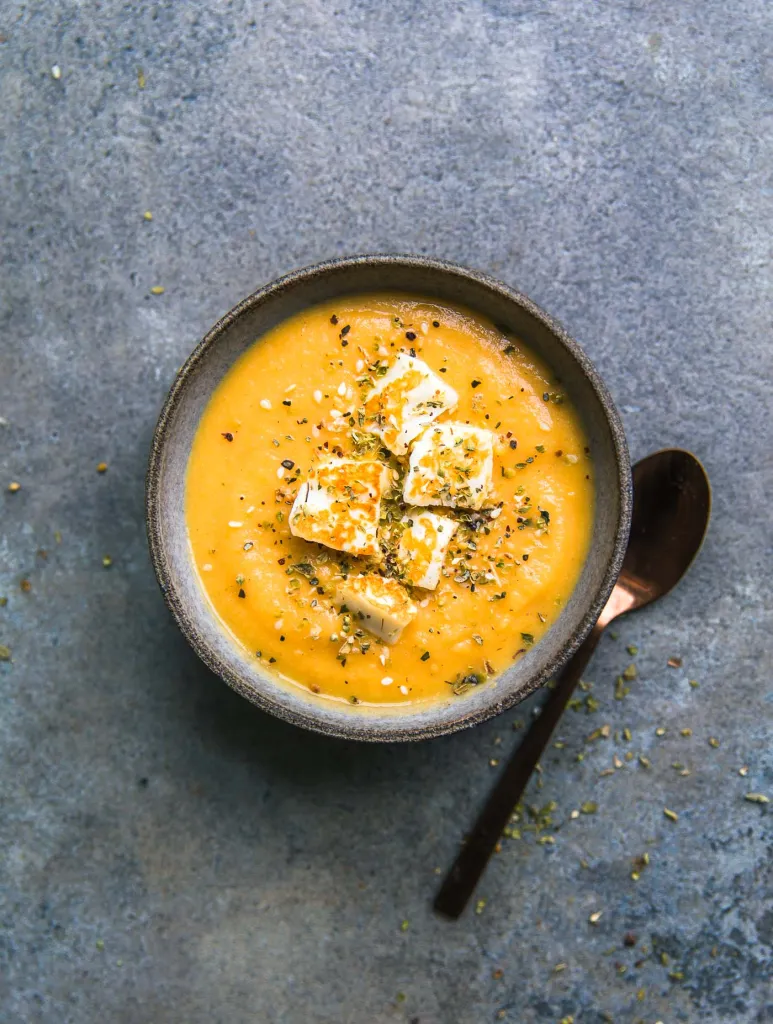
(169, 854)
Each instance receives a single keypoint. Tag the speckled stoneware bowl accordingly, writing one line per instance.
(206, 367)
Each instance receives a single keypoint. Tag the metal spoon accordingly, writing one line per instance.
(671, 509)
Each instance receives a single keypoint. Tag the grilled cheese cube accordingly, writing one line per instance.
(379, 604)
(423, 547)
(339, 505)
(451, 464)
(405, 401)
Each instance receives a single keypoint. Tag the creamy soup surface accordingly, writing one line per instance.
(296, 506)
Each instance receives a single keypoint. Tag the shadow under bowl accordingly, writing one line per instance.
(435, 280)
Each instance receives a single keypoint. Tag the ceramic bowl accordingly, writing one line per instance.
(206, 367)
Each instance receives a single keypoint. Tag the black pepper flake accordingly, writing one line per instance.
(436, 323)
(282, 561)
(513, 444)
(320, 590)
(425, 656)
(334, 319)
(475, 383)
(272, 661)
(288, 463)
(410, 335)
(443, 369)
(228, 435)
(345, 330)
(286, 401)
(241, 592)
(525, 558)
(413, 353)
(546, 397)
(344, 342)
(281, 639)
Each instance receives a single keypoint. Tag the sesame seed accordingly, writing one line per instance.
(387, 681)
(342, 389)
(235, 523)
(207, 567)
(265, 404)
(404, 690)
(56, 72)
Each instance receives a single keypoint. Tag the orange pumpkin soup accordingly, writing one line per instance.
(388, 501)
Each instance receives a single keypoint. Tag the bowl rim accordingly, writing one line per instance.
(345, 728)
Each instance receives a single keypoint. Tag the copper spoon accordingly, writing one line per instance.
(671, 509)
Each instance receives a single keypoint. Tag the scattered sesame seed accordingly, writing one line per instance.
(404, 690)
(265, 404)
(14, 486)
(56, 72)
(157, 289)
(207, 567)
(279, 623)
(387, 681)
(235, 523)
(342, 389)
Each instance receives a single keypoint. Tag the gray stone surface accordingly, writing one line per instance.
(168, 853)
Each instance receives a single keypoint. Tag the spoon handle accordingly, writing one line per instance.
(474, 855)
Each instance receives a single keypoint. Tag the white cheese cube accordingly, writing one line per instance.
(405, 401)
(377, 603)
(339, 505)
(423, 546)
(451, 464)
